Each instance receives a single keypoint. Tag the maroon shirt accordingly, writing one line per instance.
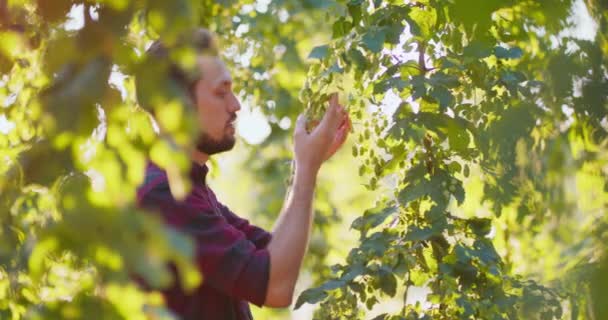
(230, 253)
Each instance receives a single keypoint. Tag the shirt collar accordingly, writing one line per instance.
(198, 173)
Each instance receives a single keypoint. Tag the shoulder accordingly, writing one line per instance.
(155, 183)
(155, 193)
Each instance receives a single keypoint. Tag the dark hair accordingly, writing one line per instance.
(158, 56)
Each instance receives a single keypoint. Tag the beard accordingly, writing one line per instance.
(208, 145)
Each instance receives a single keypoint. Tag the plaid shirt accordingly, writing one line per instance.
(230, 252)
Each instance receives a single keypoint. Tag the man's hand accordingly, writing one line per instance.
(314, 148)
(291, 231)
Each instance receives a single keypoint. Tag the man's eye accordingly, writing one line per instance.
(221, 94)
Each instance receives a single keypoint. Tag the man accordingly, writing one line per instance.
(240, 262)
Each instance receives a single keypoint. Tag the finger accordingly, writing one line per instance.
(333, 99)
(341, 136)
(340, 108)
(332, 118)
(338, 141)
(350, 123)
(300, 124)
(344, 118)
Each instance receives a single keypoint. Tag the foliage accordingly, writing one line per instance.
(482, 91)
(492, 167)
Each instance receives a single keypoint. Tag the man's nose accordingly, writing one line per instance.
(234, 105)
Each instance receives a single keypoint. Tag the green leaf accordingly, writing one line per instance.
(391, 83)
(418, 188)
(457, 190)
(465, 305)
(458, 137)
(353, 272)
(393, 33)
(341, 28)
(414, 27)
(39, 254)
(387, 281)
(332, 285)
(419, 278)
(425, 18)
(415, 191)
(354, 9)
(418, 87)
(510, 53)
(480, 226)
(443, 96)
(319, 52)
(415, 233)
(443, 79)
(374, 39)
(475, 16)
(477, 50)
(358, 58)
(371, 302)
(311, 296)
(486, 252)
(373, 218)
(404, 264)
(377, 243)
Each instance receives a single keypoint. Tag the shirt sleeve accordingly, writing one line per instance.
(255, 234)
(229, 261)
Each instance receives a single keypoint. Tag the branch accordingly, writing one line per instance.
(421, 60)
(87, 15)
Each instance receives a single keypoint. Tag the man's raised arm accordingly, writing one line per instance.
(292, 228)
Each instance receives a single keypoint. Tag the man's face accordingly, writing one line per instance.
(216, 107)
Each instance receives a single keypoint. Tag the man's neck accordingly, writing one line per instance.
(199, 157)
